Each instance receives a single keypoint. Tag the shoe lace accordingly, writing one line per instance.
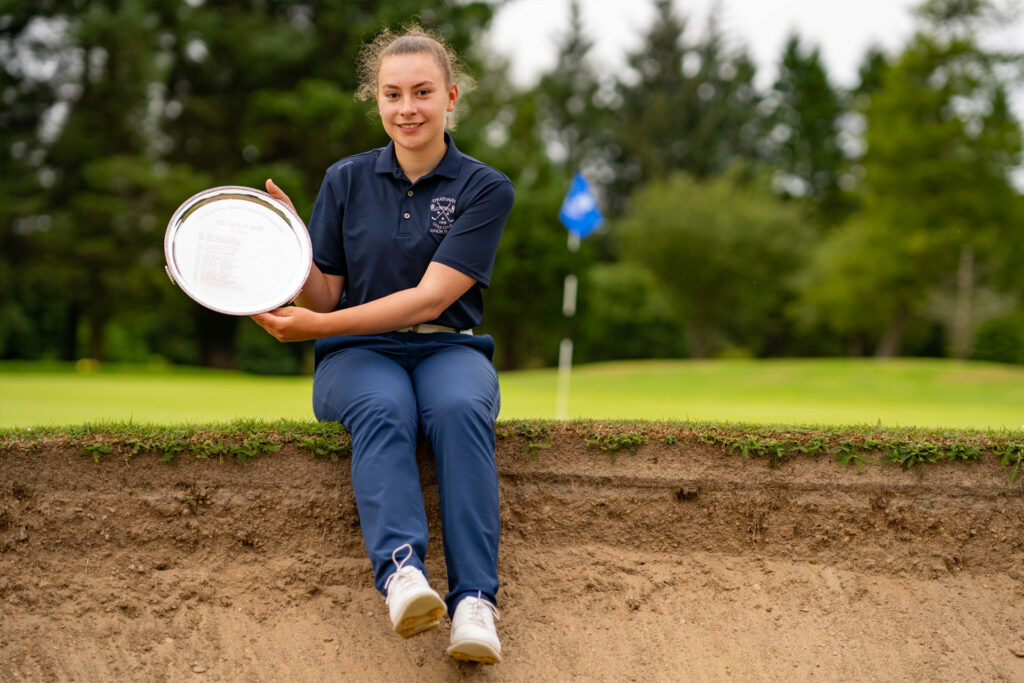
(478, 610)
(402, 574)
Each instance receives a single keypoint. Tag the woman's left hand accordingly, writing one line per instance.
(292, 323)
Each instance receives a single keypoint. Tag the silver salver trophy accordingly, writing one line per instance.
(237, 250)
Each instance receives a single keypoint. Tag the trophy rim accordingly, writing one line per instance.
(292, 219)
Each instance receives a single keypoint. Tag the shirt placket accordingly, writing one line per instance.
(406, 212)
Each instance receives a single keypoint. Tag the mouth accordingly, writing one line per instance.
(410, 126)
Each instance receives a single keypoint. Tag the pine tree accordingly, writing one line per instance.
(574, 124)
(936, 232)
(689, 106)
(806, 128)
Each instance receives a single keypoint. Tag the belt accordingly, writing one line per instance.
(425, 328)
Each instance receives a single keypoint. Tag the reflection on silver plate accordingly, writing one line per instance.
(237, 250)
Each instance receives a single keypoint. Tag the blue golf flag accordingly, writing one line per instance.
(579, 213)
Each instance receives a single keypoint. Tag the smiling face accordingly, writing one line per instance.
(414, 98)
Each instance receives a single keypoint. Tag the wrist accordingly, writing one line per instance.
(326, 324)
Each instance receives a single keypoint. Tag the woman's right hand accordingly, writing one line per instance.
(277, 193)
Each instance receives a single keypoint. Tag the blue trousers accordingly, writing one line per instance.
(385, 389)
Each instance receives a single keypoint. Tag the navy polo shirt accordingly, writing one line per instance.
(380, 232)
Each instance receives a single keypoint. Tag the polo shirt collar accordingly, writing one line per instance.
(449, 166)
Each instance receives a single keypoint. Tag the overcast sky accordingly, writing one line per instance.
(527, 30)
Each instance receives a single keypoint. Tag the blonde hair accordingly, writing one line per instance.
(413, 40)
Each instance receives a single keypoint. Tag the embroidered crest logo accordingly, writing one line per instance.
(442, 214)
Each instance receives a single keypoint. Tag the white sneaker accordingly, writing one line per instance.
(413, 605)
(473, 636)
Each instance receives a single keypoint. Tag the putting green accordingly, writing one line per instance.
(927, 393)
(905, 392)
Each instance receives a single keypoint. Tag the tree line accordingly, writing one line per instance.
(801, 218)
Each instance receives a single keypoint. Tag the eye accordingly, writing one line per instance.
(424, 92)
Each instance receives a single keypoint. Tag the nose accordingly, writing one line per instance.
(408, 106)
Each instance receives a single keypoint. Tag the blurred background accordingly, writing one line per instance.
(755, 208)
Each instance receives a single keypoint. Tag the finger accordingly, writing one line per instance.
(267, 321)
(276, 191)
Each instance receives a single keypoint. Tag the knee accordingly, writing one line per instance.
(379, 407)
(461, 407)
(369, 411)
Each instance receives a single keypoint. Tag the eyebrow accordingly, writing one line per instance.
(418, 85)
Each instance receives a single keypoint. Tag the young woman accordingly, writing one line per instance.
(404, 239)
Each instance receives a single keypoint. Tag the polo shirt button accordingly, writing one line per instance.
(406, 214)
(409, 193)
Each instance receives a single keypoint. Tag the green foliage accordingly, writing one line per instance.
(841, 273)
(536, 434)
(149, 103)
(805, 127)
(624, 314)
(721, 252)
(912, 454)
(527, 429)
(969, 452)
(938, 212)
(253, 446)
(1011, 455)
(532, 447)
(141, 103)
(95, 450)
(1001, 339)
(613, 442)
(576, 123)
(907, 447)
(904, 447)
(208, 448)
(846, 454)
(871, 72)
(690, 106)
(258, 352)
(326, 448)
(241, 440)
(774, 449)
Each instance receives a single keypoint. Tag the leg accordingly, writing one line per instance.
(458, 396)
(372, 396)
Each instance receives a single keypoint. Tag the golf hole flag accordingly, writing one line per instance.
(580, 215)
(579, 212)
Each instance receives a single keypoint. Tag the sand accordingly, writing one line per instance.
(677, 562)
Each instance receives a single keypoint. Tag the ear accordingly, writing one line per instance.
(453, 96)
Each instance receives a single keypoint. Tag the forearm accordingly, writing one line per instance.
(395, 311)
(438, 289)
(318, 294)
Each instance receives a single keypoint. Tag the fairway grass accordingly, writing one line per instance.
(899, 392)
(904, 392)
(191, 396)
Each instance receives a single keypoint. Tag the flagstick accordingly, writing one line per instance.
(580, 215)
(565, 347)
(564, 370)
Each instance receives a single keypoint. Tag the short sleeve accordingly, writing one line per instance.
(325, 224)
(472, 242)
